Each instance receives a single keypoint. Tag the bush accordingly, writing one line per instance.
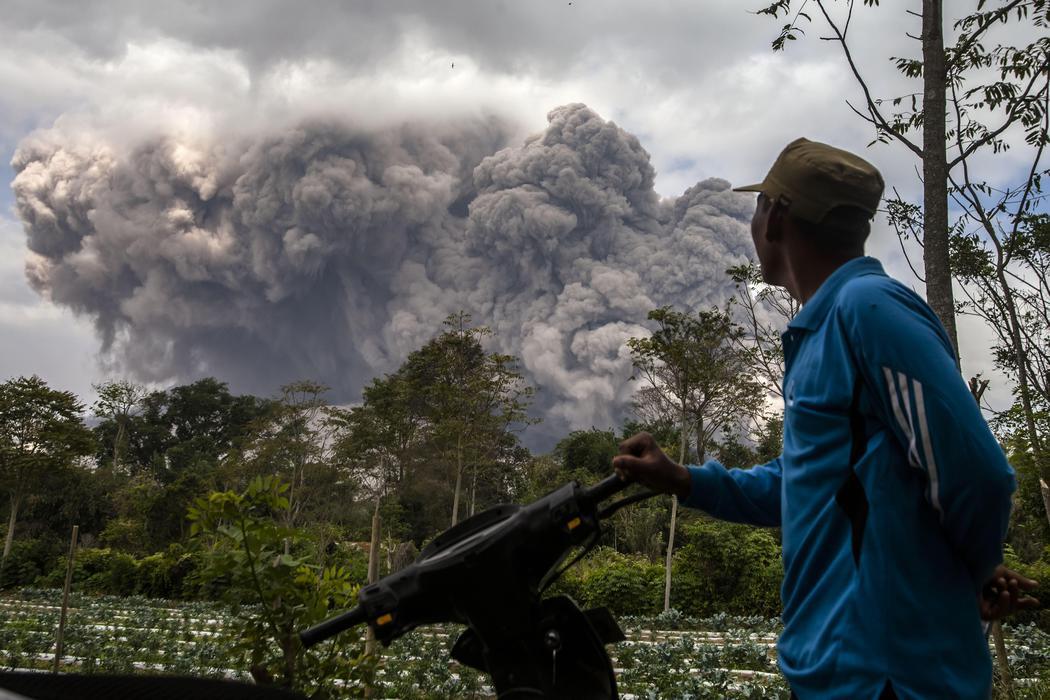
(167, 574)
(112, 572)
(27, 561)
(626, 584)
(95, 571)
(728, 568)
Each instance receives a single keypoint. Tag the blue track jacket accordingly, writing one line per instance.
(892, 494)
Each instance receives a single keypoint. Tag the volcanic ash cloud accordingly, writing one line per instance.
(330, 251)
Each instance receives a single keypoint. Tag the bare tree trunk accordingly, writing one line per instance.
(290, 514)
(459, 479)
(935, 170)
(121, 434)
(1045, 490)
(670, 552)
(473, 489)
(674, 518)
(16, 501)
(374, 546)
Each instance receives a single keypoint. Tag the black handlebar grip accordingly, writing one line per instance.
(332, 626)
(606, 487)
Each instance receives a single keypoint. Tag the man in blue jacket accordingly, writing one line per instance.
(892, 494)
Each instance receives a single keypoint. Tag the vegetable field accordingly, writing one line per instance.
(666, 656)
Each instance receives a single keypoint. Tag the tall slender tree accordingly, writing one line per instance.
(471, 399)
(118, 401)
(41, 431)
(764, 310)
(693, 370)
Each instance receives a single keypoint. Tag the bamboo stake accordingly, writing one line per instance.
(65, 598)
(1000, 654)
(373, 576)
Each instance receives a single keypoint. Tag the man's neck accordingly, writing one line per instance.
(811, 271)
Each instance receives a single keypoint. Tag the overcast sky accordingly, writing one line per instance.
(695, 82)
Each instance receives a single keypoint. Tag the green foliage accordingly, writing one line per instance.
(664, 430)
(441, 432)
(41, 435)
(169, 574)
(588, 451)
(104, 570)
(190, 427)
(1029, 530)
(626, 584)
(117, 402)
(725, 567)
(733, 453)
(642, 528)
(273, 592)
(28, 561)
(695, 372)
(95, 571)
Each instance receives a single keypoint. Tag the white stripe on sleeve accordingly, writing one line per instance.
(913, 452)
(927, 447)
(895, 402)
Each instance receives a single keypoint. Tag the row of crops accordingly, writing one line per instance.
(663, 657)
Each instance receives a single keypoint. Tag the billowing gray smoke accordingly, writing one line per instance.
(330, 251)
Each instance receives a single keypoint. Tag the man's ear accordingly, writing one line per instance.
(776, 222)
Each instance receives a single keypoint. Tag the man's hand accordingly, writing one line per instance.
(642, 460)
(1002, 595)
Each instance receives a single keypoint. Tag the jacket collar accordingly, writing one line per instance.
(814, 311)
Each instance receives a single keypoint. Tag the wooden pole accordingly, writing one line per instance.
(65, 598)
(373, 576)
(1005, 676)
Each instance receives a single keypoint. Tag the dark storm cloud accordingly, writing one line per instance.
(331, 251)
(501, 35)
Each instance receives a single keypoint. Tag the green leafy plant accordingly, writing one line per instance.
(273, 592)
(726, 567)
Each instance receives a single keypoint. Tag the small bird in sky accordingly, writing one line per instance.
(453, 64)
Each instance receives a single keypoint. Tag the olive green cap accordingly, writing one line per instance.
(813, 178)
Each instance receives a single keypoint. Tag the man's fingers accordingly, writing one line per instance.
(636, 444)
(626, 465)
(1026, 583)
(1022, 581)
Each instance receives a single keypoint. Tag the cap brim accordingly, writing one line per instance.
(751, 188)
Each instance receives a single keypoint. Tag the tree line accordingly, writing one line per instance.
(427, 445)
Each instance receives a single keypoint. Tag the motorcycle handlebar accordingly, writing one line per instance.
(605, 488)
(329, 628)
(587, 503)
